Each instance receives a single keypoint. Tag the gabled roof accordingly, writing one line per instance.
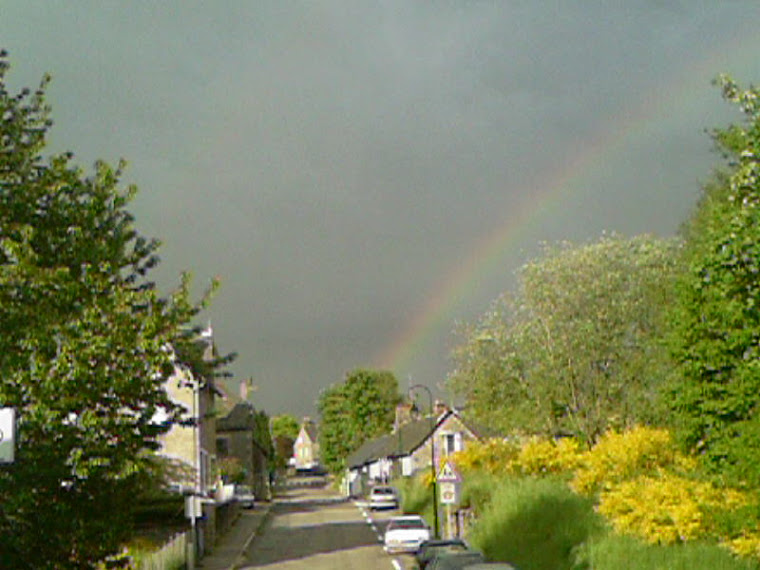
(310, 428)
(240, 418)
(404, 441)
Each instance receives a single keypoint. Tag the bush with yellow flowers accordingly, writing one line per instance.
(541, 456)
(747, 544)
(491, 456)
(665, 508)
(620, 456)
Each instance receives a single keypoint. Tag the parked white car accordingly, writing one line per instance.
(405, 534)
(383, 497)
(244, 495)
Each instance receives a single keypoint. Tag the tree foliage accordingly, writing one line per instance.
(716, 322)
(285, 425)
(575, 350)
(84, 343)
(354, 411)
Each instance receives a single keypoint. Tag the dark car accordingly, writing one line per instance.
(431, 548)
(455, 560)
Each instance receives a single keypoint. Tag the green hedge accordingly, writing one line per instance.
(535, 524)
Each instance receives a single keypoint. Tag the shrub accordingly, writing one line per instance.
(490, 456)
(416, 495)
(535, 524)
(620, 456)
(540, 456)
(666, 509)
(478, 489)
(613, 552)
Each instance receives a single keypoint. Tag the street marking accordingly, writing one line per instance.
(396, 564)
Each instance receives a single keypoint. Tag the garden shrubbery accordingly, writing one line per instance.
(637, 482)
(535, 524)
(416, 496)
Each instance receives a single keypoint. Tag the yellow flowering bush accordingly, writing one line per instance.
(542, 456)
(747, 544)
(620, 456)
(490, 456)
(665, 509)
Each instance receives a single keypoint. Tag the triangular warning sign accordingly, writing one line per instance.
(448, 473)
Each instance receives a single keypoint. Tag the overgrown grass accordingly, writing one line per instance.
(535, 524)
(613, 552)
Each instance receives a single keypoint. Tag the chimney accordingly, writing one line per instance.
(440, 408)
(403, 415)
(244, 390)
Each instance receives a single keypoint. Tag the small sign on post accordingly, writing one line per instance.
(448, 474)
(7, 435)
(449, 481)
(449, 492)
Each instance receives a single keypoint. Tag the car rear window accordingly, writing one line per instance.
(407, 523)
(382, 491)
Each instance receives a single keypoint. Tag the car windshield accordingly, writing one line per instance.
(383, 491)
(407, 523)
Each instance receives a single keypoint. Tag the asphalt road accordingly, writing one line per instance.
(312, 527)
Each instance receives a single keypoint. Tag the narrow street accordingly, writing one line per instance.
(312, 527)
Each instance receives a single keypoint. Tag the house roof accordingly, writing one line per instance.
(311, 430)
(240, 418)
(405, 440)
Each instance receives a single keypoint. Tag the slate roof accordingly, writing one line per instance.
(405, 440)
(240, 418)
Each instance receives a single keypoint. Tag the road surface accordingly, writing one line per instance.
(313, 527)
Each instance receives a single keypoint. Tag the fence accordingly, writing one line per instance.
(177, 554)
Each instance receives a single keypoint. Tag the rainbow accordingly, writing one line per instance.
(437, 314)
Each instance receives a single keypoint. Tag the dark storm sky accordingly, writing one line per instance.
(362, 175)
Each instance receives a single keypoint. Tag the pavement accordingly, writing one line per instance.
(228, 553)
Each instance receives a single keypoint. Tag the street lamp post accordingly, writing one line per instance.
(432, 454)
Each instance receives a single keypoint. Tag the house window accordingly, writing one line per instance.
(452, 442)
(448, 443)
(222, 446)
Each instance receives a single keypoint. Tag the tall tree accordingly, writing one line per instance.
(359, 409)
(84, 343)
(716, 335)
(575, 350)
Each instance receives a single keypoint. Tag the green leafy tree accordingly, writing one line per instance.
(359, 409)
(716, 322)
(285, 425)
(284, 433)
(576, 350)
(84, 341)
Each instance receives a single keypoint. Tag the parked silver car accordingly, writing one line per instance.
(383, 497)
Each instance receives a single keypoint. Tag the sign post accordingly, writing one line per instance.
(7, 435)
(449, 482)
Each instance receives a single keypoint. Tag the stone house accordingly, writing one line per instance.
(193, 446)
(237, 437)
(190, 447)
(409, 448)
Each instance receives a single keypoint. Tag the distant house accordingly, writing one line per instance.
(306, 446)
(407, 449)
(237, 437)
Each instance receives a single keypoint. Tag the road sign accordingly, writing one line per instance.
(448, 474)
(7, 435)
(449, 492)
